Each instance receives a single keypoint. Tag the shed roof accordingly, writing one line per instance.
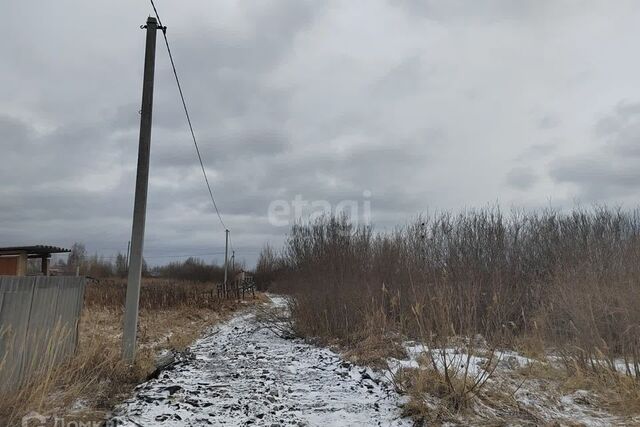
(34, 250)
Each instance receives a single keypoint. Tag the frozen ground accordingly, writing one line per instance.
(245, 374)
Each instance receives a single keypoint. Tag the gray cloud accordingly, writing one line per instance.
(621, 129)
(425, 104)
(548, 121)
(597, 179)
(521, 178)
(543, 149)
(488, 11)
(610, 169)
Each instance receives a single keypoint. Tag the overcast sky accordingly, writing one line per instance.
(427, 105)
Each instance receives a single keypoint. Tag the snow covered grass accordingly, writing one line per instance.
(453, 376)
(461, 385)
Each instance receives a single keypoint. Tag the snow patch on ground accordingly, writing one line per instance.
(534, 401)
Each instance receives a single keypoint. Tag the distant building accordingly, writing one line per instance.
(14, 259)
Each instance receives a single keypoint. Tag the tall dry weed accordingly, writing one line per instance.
(556, 279)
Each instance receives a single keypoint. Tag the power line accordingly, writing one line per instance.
(186, 111)
(185, 255)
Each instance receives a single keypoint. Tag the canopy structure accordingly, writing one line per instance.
(13, 259)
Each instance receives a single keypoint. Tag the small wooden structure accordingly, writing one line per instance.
(13, 259)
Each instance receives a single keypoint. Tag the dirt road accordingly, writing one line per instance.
(245, 374)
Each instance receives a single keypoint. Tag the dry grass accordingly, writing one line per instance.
(375, 350)
(423, 387)
(172, 316)
(154, 294)
(440, 387)
(616, 393)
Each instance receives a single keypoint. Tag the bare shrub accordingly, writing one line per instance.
(268, 267)
(567, 280)
(445, 382)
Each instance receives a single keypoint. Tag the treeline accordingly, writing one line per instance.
(79, 262)
(191, 269)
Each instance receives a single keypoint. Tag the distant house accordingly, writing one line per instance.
(14, 259)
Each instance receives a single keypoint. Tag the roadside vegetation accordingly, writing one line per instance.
(562, 289)
(173, 313)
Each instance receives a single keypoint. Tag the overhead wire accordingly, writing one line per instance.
(185, 255)
(186, 111)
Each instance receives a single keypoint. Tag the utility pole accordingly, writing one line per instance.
(233, 273)
(140, 203)
(226, 259)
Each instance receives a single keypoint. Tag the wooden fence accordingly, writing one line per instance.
(39, 319)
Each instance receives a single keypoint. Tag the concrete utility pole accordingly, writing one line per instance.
(226, 259)
(233, 262)
(140, 204)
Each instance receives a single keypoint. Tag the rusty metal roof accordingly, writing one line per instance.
(34, 250)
